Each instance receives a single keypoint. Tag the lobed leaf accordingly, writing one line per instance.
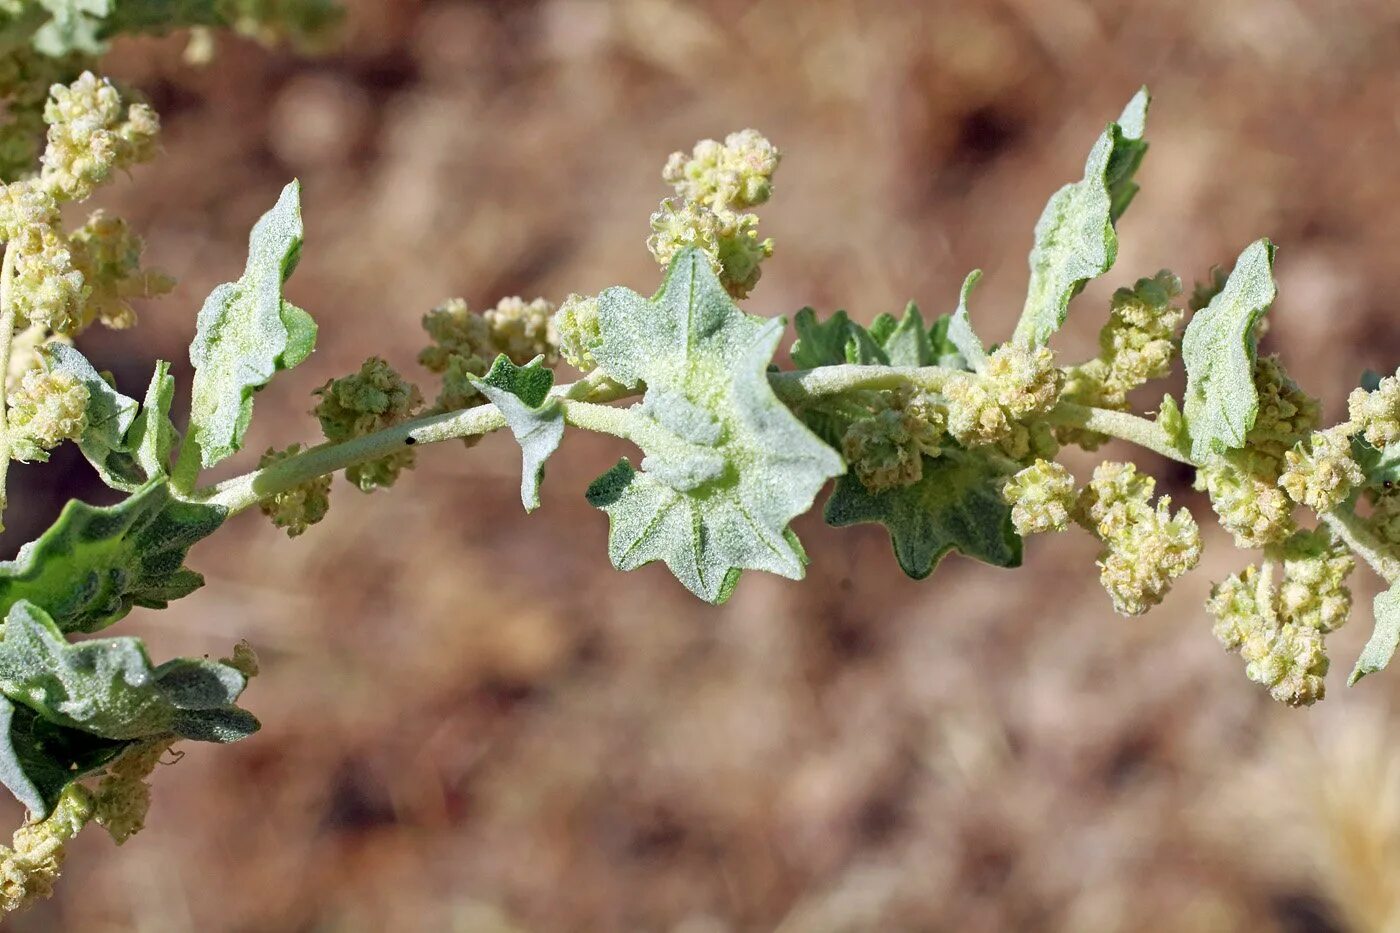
(1385, 637)
(108, 687)
(727, 466)
(1075, 239)
(522, 395)
(94, 564)
(956, 505)
(246, 334)
(1221, 401)
(38, 759)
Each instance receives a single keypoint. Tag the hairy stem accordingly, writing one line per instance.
(803, 384)
(1120, 424)
(7, 339)
(1357, 534)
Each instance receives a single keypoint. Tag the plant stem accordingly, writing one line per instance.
(803, 384)
(7, 339)
(1120, 424)
(1353, 530)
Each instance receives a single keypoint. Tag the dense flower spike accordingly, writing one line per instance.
(576, 322)
(1320, 473)
(300, 507)
(362, 403)
(47, 409)
(1041, 496)
(31, 865)
(735, 174)
(91, 134)
(1145, 547)
(523, 330)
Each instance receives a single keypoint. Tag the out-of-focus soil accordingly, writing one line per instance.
(473, 723)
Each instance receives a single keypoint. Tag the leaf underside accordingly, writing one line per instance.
(537, 422)
(39, 759)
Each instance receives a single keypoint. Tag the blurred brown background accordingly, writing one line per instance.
(473, 724)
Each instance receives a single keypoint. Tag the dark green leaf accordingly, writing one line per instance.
(38, 759)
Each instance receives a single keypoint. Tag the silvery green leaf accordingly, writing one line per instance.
(906, 340)
(956, 505)
(109, 417)
(152, 435)
(94, 564)
(727, 466)
(1380, 648)
(863, 348)
(246, 334)
(522, 395)
(1221, 401)
(39, 759)
(960, 332)
(108, 687)
(1075, 239)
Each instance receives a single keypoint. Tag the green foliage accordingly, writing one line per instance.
(956, 505)
(960, 332)
(522, 395)
(1219, 349)
(94, 564)
(109, 417)
(38, 759)
(726, 465)
(246, 334)
(108, 687)
(1075, 239)
(1380, 647)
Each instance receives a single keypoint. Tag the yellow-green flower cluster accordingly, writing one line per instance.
(465, 343)
(576, 322)
(734, 174)
(31, 864)
(362, 403)
(1321, 472)
(1041, 498)
(991, 407)
(107, 252)
(1145, 546)
(714, 184)
(48, 408)
(887, 449)
(1243, 483)
(728, 239)
(1278, 626)
(300, 507)
(25, 78)
(91, 134)
(123, 798)
(523, 330)
(1135, 346)
(1376, 414)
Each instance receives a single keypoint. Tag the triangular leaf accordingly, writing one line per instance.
(94, 564)
(727, 466)
(960, 332)
(1074, 239)
(39, 759)
(1385, 637)
(245, 334)
(863, 348)
(522, 395)
(108, 687)
(1218, 349)
(956, 505)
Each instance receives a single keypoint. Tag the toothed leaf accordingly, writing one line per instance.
(727, 466)
(1221, 400)
(108, 687)
(956, 505)
(522, 395)
(94, 564)
(246, 334)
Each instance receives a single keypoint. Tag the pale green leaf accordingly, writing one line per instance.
(110, 415)
(1221, 401)
(906, 340)
(152, 435)
(38, 759)
(94, 564)
(956, 505)
(1385, 637)
(108, 687)
(1075, 239)
(727, 466)
(960, 332)
(246, 334)
(819, 343)
(522, 395)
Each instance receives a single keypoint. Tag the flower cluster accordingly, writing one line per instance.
(887, 449)
(1278, 626)
(32, 862)
(714, 184)
(1375, 415)
(1145, 546)
(1321, 472)
(1243, 484)
(464, 343)
(576, 322)
(1041, 496)
(362, 403)
(300, 507)
(992, 408)
(123, 798)
(47, 408)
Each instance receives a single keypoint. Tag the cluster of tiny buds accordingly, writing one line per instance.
(46, 409)
(32, 862)
(887, 449)
(297, 509)
(714, 184)
(991, 407)
(361, 403)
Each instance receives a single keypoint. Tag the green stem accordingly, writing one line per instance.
(7, 339)
(803, 384)
(1353, 530)
(1120, 424)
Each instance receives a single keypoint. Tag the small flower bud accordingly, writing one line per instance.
(735, 174)
(524, 330)
(1026, 381)
(579, 333)
(300, 507)
(1041, 497)
(47, 409)
(1321, 472)
(1291, 662)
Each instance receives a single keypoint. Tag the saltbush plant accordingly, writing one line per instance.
(924, 427)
